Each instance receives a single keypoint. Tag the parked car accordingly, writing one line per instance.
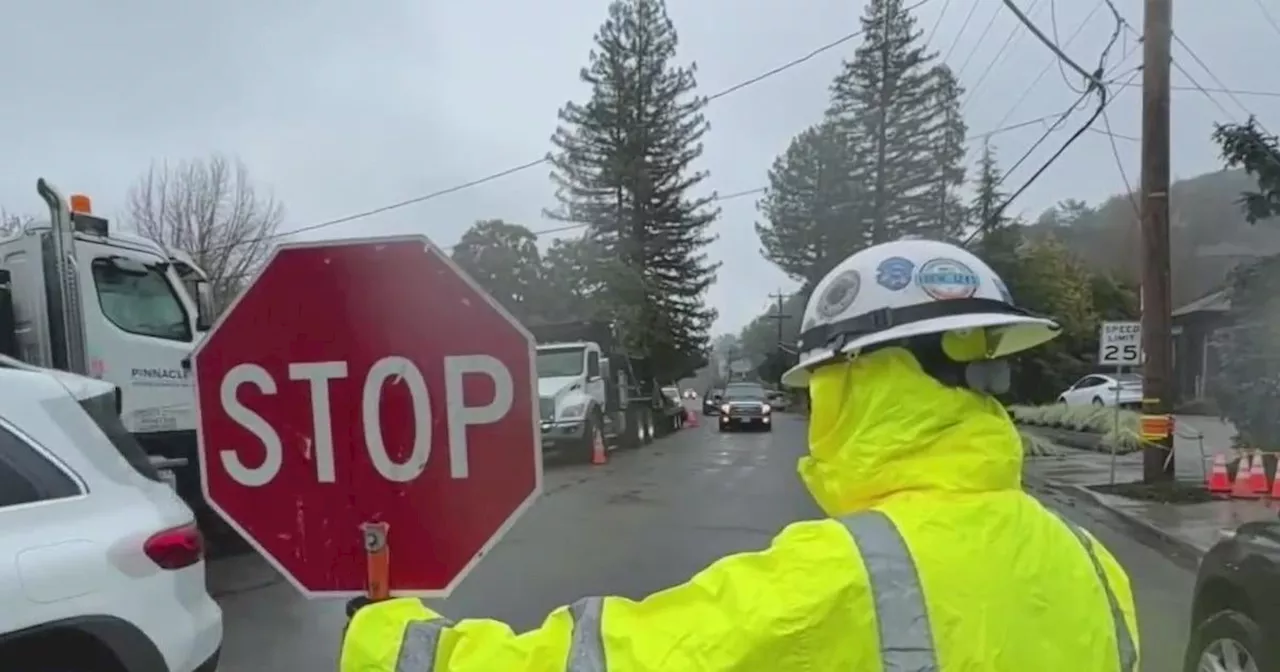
(746, 405)
(1235, 611)
(101, 564)
(711, 401)
(1105, 389)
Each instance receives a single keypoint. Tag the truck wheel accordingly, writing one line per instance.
(632, 435)
(592, 433)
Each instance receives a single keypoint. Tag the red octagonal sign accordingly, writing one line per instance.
(368, 381)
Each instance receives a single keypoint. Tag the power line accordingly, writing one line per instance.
(1203, 66)
(759, 190)
(959, 33)
(981, 36)
(1212, 89)
(1115, 153)
(1095, 85)
(546, 157)
(1053, 23)
(938, 22)
(1093, 78)
(1013, 37)
(1047, 66)
(1267, 15)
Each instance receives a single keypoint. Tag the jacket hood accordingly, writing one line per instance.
(880, 426)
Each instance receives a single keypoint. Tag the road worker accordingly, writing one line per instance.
(931, 557)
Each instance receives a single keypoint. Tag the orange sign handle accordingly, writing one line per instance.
(378, 558)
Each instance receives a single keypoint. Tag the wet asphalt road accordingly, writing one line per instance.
(648, 519)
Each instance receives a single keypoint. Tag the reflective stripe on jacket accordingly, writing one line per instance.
(933, 560)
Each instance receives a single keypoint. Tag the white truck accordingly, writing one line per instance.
(79, 296)
(588, 392)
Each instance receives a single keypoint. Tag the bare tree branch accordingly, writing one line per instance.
(210, 209)
(11, 223)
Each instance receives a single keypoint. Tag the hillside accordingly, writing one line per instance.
(1209, 233)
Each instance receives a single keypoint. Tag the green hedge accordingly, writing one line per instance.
(1121, 437)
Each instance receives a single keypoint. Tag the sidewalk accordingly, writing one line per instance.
(1192, 528)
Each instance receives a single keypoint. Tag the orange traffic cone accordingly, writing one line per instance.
(690, 418)
(1258, 476)
(598, 455)
(1245, 480)
(1275, 486)
(1219, 482)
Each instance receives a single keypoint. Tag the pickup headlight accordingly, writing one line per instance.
(766, 408)
(724, 409)
(573, 411)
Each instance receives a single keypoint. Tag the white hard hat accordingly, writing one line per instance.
(897, 290)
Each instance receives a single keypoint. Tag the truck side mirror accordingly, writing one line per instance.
(204, 306)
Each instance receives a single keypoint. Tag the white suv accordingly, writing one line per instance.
(101, 565)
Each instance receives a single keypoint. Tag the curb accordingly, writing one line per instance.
(1140, 527)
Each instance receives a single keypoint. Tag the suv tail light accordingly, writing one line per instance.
(176, 547)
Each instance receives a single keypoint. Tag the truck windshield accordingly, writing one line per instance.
(562, 362)
(139, 299)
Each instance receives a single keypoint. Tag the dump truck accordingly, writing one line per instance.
(590, 392)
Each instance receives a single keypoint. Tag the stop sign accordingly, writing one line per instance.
(368, 381)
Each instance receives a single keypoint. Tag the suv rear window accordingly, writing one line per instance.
(106, 415)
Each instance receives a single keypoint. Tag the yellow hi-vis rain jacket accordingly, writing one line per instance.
(932, 560)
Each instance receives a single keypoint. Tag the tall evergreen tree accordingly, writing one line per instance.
(623, 166)
(812, 210)
(997, 236)
(944, 215)
(900, 115)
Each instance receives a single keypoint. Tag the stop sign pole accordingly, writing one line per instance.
(362, 398)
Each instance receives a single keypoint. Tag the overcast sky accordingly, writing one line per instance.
(340, 109)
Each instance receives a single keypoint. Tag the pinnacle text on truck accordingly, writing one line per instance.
(589, 392)
(78, 296)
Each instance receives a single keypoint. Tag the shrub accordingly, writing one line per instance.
(1122, 437)
(1036, 446)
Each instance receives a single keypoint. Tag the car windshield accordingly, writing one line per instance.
(139, 299)
(745, 393)
(560, 363)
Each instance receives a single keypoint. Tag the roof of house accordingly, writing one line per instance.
(1216, 302)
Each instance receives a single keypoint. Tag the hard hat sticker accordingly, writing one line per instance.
(894, 273)
(945, 279)
(839, 294)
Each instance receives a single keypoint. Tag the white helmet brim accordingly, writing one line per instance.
(1017, 333)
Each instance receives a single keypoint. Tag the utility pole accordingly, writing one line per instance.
(1157, 303)
(779, 316)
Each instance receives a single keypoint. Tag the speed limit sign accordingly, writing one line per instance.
(1120, 344)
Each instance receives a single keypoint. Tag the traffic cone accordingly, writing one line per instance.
(598, 455)
(1219, 482)
(690, 418)
(1242, 487)
(1275, 486)
(1258, 476)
